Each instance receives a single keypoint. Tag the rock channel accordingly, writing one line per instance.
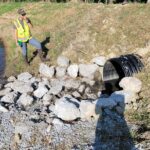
(64, 108)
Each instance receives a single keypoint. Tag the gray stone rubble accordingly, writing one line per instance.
(67, 111)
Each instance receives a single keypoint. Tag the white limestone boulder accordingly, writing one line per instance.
(60, 71)
(88, 70)
(89, 109)
(66, 109)
(9, 98)
(46, 71)
(40, 92)
(99, 60)
(25, 100)
(73, 70)
(63, 61)
(131, 84)
(25, 77)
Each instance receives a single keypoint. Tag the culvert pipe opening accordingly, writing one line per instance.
(117, 68)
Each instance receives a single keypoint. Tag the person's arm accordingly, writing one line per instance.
(29, 23)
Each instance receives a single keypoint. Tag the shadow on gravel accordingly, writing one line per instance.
(112, 132)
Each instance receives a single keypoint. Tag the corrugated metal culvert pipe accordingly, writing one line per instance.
(117, 68)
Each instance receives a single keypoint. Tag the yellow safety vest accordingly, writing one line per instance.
(24, 34)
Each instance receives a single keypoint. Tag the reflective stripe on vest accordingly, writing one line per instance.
(23, 33)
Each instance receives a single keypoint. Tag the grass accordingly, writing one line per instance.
(5, 8)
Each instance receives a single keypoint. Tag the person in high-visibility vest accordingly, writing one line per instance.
(23, 35)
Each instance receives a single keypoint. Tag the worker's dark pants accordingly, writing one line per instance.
(33, 42)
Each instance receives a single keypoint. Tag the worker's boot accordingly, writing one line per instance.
(41, 56)
(26, 60)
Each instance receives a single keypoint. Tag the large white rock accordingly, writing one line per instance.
(66, 109)
(89, 109)
(55, 82)
(88, 81)
(88, 70)
(76, 94)
(21, 87)
(58, 124)
(33, 80)
(124, 97)
(63, 61)
(72, 84)
(9, 98)
(99, 60)
(131, 84)
(25, 100)
(11, 79)
(105, 103)
(46, 71)
(40, 92)
(3, 109)
(73, 70)
(5, 91)
(47, 99)
(60, 71)
(24, 77)
(55, 90)
(81, 88)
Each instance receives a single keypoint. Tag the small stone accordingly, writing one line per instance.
(25, 77)
(5, 91)
(99, 60)
(76, 94)
(73, 70)
(3, 109)
(91, 96)
(87, 90)
(81, 88)
(11, 79)
(63, 61)
(40, 92)
(22, 87)
(48, 130)
(88, 81)
(72, 84)
(55, 90)
(46, 71)
(60, 71)
(88, 110)
(88, 70)
(25, 100)
(58, 124)
(47, 99)
(9, 98)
